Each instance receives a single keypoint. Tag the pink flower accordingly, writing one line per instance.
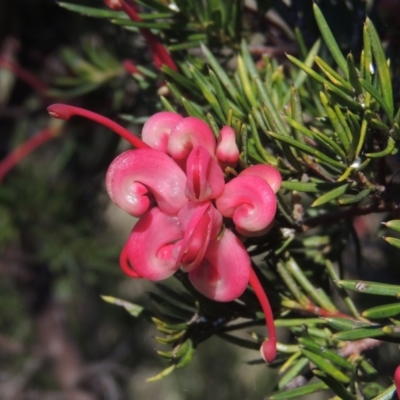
(175, 184)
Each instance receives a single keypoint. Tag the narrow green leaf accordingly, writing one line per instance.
(319, 137)
(266, 99)
(333, 76)
(393, 241)
(344, 324)
(310, 187)
(326, 353)
(387, 394)
(331, 195)
(360, 333)
(376, 288)
(381, 66)
(335, 385)
(165, 372)
(133, 309)
(93, 12)
(307, 149)
(186, 358)
(322, 363)
(390, 147)
(351, 199)
(376, 95)
(300, 391)
(385, 311)
(393, 224)
(353, 75)
(219, 92)
(219, 71)
(208, 92)
(293, 372)
(330, 40)
(244, 78)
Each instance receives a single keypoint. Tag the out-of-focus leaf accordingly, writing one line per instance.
(393, 224)
(324, 365)
(335, 385)
(93, 12)
(376, 288)
(351, 199)
(330, 40)
(387, 394)
(331, 195)
(301, 391)
(393, 241)
(381, 66)
(133, 309)
(385, 311)
(360, 333)
(296, 369)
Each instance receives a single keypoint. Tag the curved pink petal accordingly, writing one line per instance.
(397, 380)
(250, 201)
(188, 134)
(201, 222)
(157, 129)
(267, 172)
(224, 272)
(227, 150)
(150, 246)
(135, 173)
(205, 179)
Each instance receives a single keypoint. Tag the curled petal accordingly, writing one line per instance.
(250, 201)
(157, 129)
(227, 150)
(205, 179)
(189, 133)
(267, 172)
(150, 246)
(224, 272)
(201, 222)
(135, 173)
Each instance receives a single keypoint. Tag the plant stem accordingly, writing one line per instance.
(268, 348)
(12, 159)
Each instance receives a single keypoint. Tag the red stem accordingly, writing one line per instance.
(159, 52)
(268, 348)
(24, 75)
(22, 151)
(65, 112)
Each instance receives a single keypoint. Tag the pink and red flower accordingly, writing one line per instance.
(174, 182)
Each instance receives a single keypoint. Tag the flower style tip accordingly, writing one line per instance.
(65, 112)
(397, 380)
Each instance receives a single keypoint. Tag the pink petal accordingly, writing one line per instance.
(205, 179)
(250, 201)
(224, 272)
(150, 246)
(267, 172)
(227, 150)
(189, 133)
(201, 222)
(134, 173)
(157, 129)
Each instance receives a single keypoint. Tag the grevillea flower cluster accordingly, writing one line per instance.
(190, 213)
